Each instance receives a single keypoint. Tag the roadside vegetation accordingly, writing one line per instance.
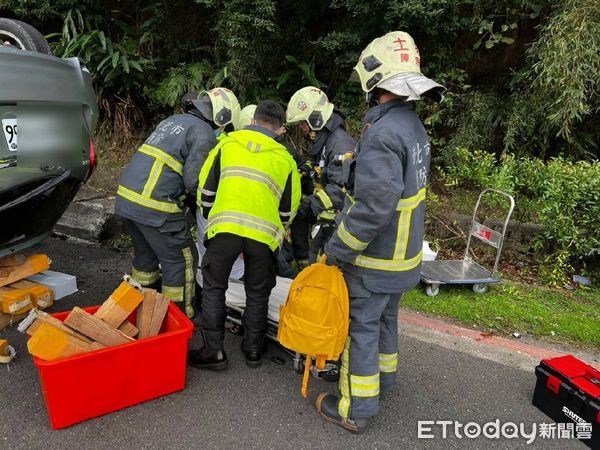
(556, 316)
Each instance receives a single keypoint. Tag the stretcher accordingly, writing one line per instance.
(235, 300)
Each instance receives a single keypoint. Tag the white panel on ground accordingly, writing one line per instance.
(61, 283)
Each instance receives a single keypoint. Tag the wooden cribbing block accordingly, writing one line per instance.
(7, 320)
(12, 260)
(41, 296)
(128, 328)
(95, 328)
(33, 264)
(97, 346)
(46, 318)
(14, 301)
(115, 310)
(151, 313)
(3, 347)
(51, 343)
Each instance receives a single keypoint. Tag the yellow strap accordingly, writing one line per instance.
(163, 157)
(306, 376)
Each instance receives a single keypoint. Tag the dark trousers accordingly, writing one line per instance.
(171, 246)
(259, 279)
(300, 237)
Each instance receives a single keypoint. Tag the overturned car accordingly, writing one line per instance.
(48, 114)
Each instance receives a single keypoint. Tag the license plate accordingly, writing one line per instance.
(9, 126)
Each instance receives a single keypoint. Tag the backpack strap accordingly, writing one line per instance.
(307, 364)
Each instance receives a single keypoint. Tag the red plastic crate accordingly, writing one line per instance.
(90, 385)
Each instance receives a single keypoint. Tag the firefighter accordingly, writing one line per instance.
(329, 145)
(154, 186)
(378, 243)
(249, 189)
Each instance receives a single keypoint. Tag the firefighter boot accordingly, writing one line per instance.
(327, 407)
(205, 358)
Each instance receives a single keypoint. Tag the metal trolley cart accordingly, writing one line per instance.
(467, 271)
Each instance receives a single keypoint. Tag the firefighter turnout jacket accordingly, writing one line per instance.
(327, 152)
(249, 186)
(381, 228)
(165, 168)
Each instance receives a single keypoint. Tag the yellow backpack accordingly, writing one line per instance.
(314, 320)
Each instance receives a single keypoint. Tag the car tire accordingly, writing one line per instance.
(24, 36)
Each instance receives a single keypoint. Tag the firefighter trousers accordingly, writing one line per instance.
(172, 247)
(259, 279)
(370, 358)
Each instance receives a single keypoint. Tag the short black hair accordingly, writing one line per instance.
(270, 113)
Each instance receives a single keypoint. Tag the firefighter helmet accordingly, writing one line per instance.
(310, 104)
(225, 107)
(392, 62)
(245, 117)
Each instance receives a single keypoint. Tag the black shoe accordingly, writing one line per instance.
(207, 359)
(253, 356)
(327, 407)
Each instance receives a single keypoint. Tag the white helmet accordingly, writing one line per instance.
(392, 62)
(225, 106)
(245, 117)
(310, 104)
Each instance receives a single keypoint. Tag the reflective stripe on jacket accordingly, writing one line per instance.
(381, 229)
(163, 170)
(250, 187)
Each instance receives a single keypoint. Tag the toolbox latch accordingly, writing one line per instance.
(553, 384)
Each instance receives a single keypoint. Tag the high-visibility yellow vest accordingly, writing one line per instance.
(246, 200)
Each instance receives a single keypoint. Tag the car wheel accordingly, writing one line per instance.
(21, 35)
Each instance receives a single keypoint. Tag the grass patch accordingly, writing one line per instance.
(561, 316)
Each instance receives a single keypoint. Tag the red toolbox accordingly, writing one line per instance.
(90, 385)
(568, 390)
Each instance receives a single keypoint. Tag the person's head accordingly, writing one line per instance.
(271, 115)
(219, 106)
(245, 117)
(390, 67)
(310, 108)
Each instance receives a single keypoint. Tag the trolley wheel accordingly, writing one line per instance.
(480, 288)
(238, 330)
(331, 375)
(432, 290)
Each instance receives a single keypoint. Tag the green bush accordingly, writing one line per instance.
(561, 195)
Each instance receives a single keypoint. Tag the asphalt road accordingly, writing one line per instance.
(262, 408)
